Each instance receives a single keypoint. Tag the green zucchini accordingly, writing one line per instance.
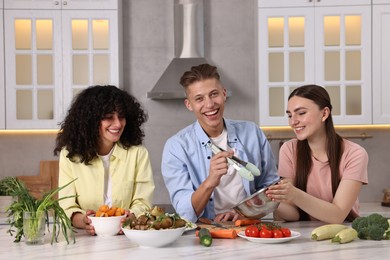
(205, 237)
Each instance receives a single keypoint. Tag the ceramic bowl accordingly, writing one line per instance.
(106, 226)
(153, 238)
(257, 205)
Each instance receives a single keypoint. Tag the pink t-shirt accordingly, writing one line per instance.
(353, 166)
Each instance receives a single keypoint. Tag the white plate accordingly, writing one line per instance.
(294, 235)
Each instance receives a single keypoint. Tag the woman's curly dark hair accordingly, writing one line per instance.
(79, 132)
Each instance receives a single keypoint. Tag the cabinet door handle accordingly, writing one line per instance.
(56, 2)
(64, 2)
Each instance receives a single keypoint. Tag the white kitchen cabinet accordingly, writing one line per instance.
(306, 3)
(381, 61)
(53, 54)
(61, 4)
(2, 89)
(315, 44)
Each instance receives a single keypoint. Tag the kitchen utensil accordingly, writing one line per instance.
(211, 222)
(257, 205)
(249, 166)
(242, 170)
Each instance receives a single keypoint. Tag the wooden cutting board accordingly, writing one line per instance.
(226, 225)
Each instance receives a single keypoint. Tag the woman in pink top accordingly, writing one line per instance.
(322, 172)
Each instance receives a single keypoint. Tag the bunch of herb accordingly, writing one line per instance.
(26, 202)
(5, 190)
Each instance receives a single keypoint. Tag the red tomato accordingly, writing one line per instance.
(252, 231)
(286, 232)
(264, 226)
(265, 233)
(277, 233)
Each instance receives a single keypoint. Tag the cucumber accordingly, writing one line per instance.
(205, 237)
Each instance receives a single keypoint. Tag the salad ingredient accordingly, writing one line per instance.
(267, 230)
(25, 202)
(148, 221)
(107, 211)
(372, 227)
(221, 233)
(246, 222)
(252, 231)
(205, 237)
(327, 231)
(345, 236)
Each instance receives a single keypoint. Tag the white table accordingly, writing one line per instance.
(188, 247)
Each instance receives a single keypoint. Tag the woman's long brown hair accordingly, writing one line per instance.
(335, 146)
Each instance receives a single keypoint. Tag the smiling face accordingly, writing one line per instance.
(306, 118)
(206, 98)
(110, 131)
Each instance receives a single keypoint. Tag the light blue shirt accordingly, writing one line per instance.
(186, 162)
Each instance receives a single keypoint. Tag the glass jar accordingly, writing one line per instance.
(34, 227)
(386, 198)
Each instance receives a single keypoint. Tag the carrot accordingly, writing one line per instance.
(104, 208)
(246, 222)
(111, 211)
(221, 233)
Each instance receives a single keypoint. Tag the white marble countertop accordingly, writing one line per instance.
(188, 247)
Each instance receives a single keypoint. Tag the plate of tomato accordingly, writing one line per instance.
(268, 234)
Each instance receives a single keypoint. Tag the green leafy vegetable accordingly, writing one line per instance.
(26, 202)
(372, 227)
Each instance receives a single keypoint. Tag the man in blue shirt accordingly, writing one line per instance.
(200, 183)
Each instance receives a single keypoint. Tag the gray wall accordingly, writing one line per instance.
(230, 44)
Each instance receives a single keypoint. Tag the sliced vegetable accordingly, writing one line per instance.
(326, 231)
(205, 237)
(345, 236)
(246, 222)
(221, 233)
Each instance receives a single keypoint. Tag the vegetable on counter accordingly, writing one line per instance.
(205, 237)
(326, 231)
(345, 236)
(267, 230)
(220, 233)
(25, 202)
(372, 227)
(246, 222)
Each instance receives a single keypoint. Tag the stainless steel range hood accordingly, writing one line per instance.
(189, 49)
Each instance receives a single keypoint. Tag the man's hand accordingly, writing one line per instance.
(218, 168)
(227, 216)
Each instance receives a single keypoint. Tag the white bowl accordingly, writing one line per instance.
(106, 226)
(153, 238)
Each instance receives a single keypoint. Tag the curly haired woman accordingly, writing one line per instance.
(100, 144)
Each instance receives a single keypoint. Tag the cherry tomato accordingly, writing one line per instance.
(277, 233)
(286, 232)
(252, 231)
(265, 233)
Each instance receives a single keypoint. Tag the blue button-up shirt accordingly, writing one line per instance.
(186, 162)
